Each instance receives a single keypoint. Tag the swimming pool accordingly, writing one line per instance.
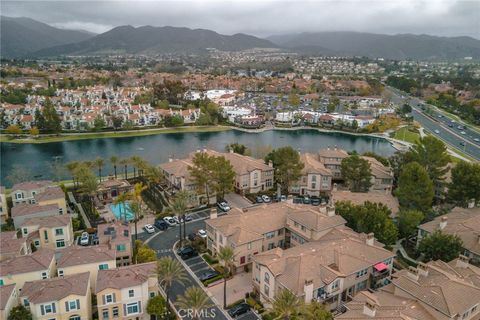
(121, 211)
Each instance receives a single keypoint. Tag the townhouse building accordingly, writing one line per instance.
(8, 299)
(316, 180)
(382, 176)
(462, 222)
(332, 160)
(23, 212)
(53, 232)
(359, 198)
(434, 291)
(330, 270)
(11, 246)
(124, 292)
(3, 206)
(35, 266)
(258, 229)
(118, 238)
(65, 298)
(77, 259)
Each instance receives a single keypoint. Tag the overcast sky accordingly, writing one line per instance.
(261, 17)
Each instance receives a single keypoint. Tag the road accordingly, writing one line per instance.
(438, 125)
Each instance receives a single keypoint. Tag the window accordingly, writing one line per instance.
(1, 282)
(105, 314)
(361, 273)
(152, 294)
(131, 293)
(335, 285)
(72, 305)
(115, 312)
(60, 243)
(267, 278)
(60, 273)
(75, 318)
(270, 235)
(266, 290)
(26, 303)
(314, 185)
(44, 275)
(280, 232)
(25, 231)
(103, 266)
(45, 235)
(19, 195)
(60, 210)
(47, 308)
(59, 232)
(304, 228)
(271, 246)
(121, 247)
(296, 224)
(314, 178)
(474, 309)
(132, 308)
(37, 243)
(109, 298)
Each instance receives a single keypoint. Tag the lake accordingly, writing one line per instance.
(37, 158)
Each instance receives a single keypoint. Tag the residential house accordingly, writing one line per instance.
(65, 298)
(8, 300)
(3, 206)
(124, 292)
(382, 176)
(35, 266)
(117, 236)
(315, 180)
(53, 232)
(11, 246)
(359, 198)
(25, 192)
(462, 222)
(22, 212)
(77, 259)
(331, 269)
(332, 160)
(258, 229)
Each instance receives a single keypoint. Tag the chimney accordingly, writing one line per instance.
(308, 290)
(462, 261)
(370, 239)
(443, 222)
(370, 308)
(213, 213)
(422, 269)
(412, 273)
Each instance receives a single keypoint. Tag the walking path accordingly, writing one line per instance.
(399, 247)
(80, 209)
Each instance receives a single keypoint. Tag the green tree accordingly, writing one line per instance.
(415, 189)
(34, 131)
(294, 99)
(287, 165)
(99, 163)
(117, 122)
(99, 123)
(201, 172)
(179, 207)
(465, 184)
(332, 104)
(173, 121)
(316, 311)
(125, 163)
(440, 246)
(53, 122)
(408, 221)
(157, 307)
(88, 183)
(145, 254)
(237, 148)
(170, 271)
(226, 255)
(432, 154)
(223, 176)
(114, 160)
(194, 299)
(40, 120)
(14, 129)
(20, 313)
(287, 305)
(357, 173)
(128, 125)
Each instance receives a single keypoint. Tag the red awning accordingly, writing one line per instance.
(380, 266)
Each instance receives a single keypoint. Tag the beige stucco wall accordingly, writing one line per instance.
(21, 278)
(91, 267)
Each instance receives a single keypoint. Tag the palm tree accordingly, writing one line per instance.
(125, 163)
(99, 163)
(122, 199)
(72, 167)
(227, 256)
(169, 271)
(316, 311)
(135, 161)
(195, 299)
(114, 161)
(136, 205)
(287, 305)
(89, 183)
(179, 206)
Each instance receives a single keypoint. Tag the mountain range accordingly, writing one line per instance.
(24, 37)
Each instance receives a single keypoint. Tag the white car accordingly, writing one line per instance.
(84, 239)
(476, 140)
(463, 132)
(149, 228)
(171, 222)
(223, 206)
(266, 198)
(202, 233)
(437, 131)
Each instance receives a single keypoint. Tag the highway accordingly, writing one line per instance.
(440, 126)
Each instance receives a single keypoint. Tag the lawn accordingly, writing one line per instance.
(406, 134)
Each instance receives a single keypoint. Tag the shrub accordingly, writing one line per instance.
(214, 279)
(209, 259)
(235, 303)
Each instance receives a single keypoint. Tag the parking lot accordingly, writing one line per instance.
(197, 265)
(237, 201)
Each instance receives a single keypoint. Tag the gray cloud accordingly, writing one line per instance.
(261, 18)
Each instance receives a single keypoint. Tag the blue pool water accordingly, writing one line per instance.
(121, 212)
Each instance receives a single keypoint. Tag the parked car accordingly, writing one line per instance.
(462, 143)
(188, 218)
(202, 233)
(239, 309)
(175, 218)
(437, 131)
(315, 201)
(149, 228)
(191, 236)
(306, 200)
(84, 239)
(207, 275)
(266, 198)
(171, 222)
(223, 206)
(258, 199)
(161, 225)
(187, 252)
(283, 198)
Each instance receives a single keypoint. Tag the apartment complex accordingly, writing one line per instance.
(124, 292)
(462, 222)
(332, 160)
(359, 198)
(66, 298)
(382, 176)
(53, 232)
(117, 236)
(330, 269)
(255, 230)
(316, 180)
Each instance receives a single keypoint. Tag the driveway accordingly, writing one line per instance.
(237, 201)
(237, 287)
